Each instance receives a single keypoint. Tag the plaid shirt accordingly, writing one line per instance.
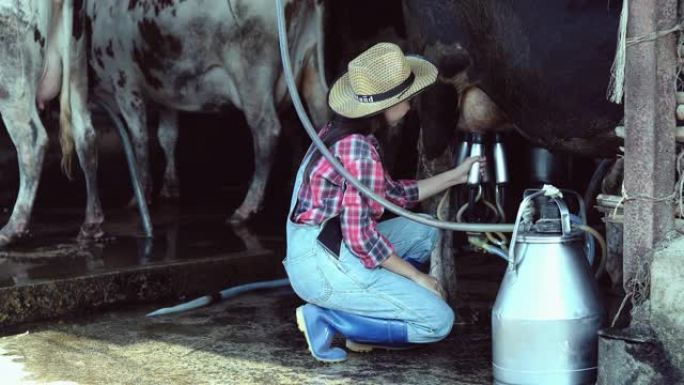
(325, 194)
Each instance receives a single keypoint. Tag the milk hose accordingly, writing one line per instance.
(477, 242)
(501, 253)
(602, 243)
(133, 169)
(497, 238)
(499, 192)
(590, 244)
(223, 294)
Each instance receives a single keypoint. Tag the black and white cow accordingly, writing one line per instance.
(42, 54)
(204, 55)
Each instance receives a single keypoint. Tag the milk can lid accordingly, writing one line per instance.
(535, 237)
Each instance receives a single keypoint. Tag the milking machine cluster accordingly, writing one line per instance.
(481, 183)
(483, 198)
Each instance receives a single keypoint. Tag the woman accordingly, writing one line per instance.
(358, 276)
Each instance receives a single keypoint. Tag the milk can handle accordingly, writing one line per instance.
(527, 200)
(564, 216)
(580, 202)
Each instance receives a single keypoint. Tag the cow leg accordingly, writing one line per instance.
(168, 137)
(30, 140)
(133, 109)
(86, 148)
(315, 93)
(265, 127)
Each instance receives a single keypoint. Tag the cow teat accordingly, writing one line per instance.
(479, 113)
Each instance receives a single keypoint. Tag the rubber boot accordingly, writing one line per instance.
(319, 326)
(319, 334)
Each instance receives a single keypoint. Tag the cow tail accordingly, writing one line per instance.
(66, 136)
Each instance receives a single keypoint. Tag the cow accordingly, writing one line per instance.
(543, 66)
(42, 54)
(203, 56)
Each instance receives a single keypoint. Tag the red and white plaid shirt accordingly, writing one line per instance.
(324, 194)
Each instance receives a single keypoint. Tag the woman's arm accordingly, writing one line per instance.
(440, 182)
(398, 266)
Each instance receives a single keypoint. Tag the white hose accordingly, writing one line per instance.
(303, 117)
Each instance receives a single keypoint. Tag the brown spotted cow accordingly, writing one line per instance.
(204, 55)
(42, 54)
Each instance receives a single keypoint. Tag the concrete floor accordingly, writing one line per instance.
(252, 339)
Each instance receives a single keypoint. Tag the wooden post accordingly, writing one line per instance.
(442, 265)
(649, 141)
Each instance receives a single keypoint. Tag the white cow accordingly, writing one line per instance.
(42, 54)
(204, 55)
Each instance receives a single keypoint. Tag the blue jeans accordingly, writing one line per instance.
(343, 283)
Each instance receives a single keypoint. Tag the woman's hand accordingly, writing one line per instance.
(459, 175)
(430, 186)
(430, 283)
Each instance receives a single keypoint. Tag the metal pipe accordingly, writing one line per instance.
(301, 112)
(133, 169)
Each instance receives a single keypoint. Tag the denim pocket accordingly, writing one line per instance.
(353, 269)
(298, 255)
(308, 280)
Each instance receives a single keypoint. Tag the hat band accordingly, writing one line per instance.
(396, 91)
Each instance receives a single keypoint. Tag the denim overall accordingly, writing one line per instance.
(342, 283)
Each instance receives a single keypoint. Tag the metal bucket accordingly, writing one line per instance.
(547, 312)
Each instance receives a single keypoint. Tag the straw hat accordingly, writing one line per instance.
(379, 78)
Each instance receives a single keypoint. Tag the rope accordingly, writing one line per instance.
(654, 35)
(622, 306)
(617, 71)
(640, 285)
(677, 194)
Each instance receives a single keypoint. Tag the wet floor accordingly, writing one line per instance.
(52, 252)
(251, 339)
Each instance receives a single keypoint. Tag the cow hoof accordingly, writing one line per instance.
(237, 219)
(90, 233)
(171, 197)
(5, 240)
(8, 238)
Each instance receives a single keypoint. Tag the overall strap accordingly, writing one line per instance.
(299, 178)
